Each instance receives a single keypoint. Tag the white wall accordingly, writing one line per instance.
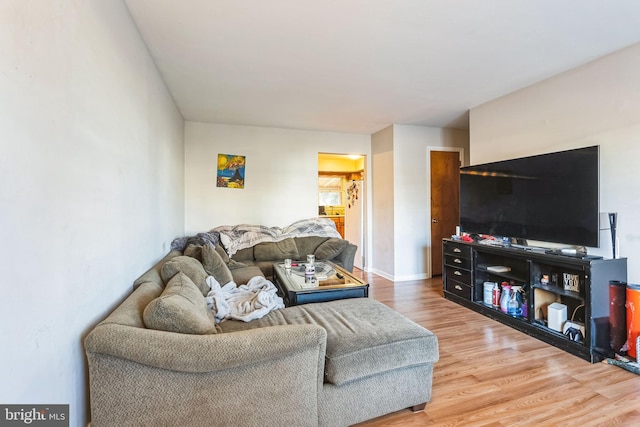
(402, 197)
(596, 104)
(281, 174)
(412, 194)
(91, 186)
(382, 261)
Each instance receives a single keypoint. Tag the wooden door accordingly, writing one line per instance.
(445, 202)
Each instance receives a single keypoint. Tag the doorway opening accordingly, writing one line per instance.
(341, 197)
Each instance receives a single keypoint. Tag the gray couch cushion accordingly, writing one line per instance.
(180, 308)
(266, 267)
(245, 254)
(194, 251)
(364, 337)
(358, 349)
(223, 254)
(234, 265)
(274, 251)
(215, 266)
(189, 266)
(308, 245)
(330, 248)
(242, 275)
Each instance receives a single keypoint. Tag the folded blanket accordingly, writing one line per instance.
(200, 239)
(242, 236)
(246, 302)
(234, 238)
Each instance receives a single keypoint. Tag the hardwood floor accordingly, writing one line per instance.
(491, 375)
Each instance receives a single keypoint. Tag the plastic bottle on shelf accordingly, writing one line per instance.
(506, 296)
(514, 306)
(495, 298)
(516, 292)
(525, 304)
(487, 295)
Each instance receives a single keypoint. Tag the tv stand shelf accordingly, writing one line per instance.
(506, 275)
(541, 276)
(559, 291)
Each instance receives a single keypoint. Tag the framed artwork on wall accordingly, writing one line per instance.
(230, 171)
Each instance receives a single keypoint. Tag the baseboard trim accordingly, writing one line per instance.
(406, 278)
(382, 274)
(421, 276)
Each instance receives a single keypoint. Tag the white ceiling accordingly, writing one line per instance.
(360, 65)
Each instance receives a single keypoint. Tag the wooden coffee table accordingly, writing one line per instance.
(333, 282)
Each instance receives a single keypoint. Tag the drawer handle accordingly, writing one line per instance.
(457, 261)
(456, 250)
(458, 287)
(457, 273)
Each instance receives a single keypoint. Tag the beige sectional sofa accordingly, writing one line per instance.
(264, 255)
(158, 360)
(245, 245)
(259, 259)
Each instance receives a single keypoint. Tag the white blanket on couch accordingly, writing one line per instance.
(245, 302)
(242, 236)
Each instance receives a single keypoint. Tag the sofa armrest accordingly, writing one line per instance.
(346, 257)
(203, 353)
(255, 377)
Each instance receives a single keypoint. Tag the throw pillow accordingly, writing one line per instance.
(330, 248)
(271, 251)
(308, 244)
(180, 308)
(194, 251)
(223, 254)
(215, 266)
(189, 266)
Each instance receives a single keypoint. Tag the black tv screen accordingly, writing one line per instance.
(549, 197)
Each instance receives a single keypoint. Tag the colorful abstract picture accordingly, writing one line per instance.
(230, 171)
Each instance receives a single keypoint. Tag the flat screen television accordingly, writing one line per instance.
(549, 197)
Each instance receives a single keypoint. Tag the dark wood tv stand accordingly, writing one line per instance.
(465, 271)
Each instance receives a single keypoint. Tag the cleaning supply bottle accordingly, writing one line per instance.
(514, 306)
(506, 296)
